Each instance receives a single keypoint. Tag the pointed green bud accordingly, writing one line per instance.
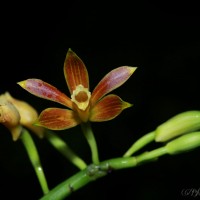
(184, 143)
(180, 124)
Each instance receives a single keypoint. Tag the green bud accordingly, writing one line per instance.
(184, 143)
(180, 124)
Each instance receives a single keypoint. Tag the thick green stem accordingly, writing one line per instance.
(65, 150)
(35, 159)
(87, 130)
(143, 141)
(93, 172)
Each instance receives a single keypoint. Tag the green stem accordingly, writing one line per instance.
(151, 155)
(35, 159)
(87, 130)
(64, 149)
(143, 141)
(83, 177)
(93, 172)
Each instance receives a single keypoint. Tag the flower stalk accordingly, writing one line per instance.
(89, 135)
(140, 143)
(64, 149)
(35, 159)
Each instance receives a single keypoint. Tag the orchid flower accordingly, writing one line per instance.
(83, 106)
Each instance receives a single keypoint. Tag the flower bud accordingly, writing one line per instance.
(10, 117)
(184, 143)
(180, 124)
(28, 114)
(15, 113)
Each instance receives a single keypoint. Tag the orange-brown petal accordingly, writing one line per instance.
(108, 108)
(57, 119)
(111, 81)
(75, 71)
(44, 90)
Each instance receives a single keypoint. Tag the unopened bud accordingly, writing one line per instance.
(180, 124)
(184, 143)
(10, 118)
(28, 114)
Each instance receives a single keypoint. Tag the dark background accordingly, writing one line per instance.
(161, 40)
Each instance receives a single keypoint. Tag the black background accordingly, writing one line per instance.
(161, 40)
